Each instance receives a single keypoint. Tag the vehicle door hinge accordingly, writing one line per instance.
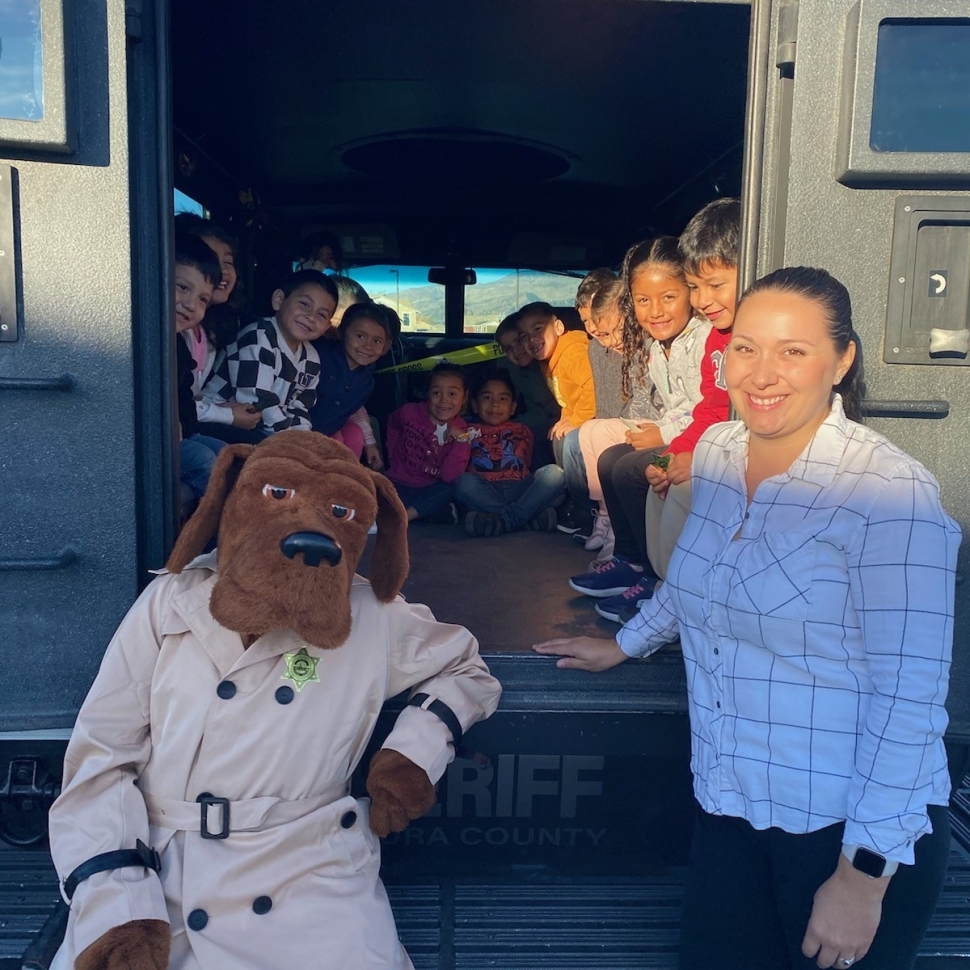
(787, 37)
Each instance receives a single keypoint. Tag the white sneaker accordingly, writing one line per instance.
(601, 527)
(606, 550)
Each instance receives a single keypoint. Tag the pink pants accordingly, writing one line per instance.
(595, 437)
(351, 436)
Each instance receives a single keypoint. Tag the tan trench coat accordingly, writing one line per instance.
(296, 882)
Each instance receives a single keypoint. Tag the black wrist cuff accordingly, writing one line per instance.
(441, 711)
(141, 855)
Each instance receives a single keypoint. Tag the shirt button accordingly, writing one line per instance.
(198, 919)
(718, 704)
(284, 695)
(262, 905)
(348, 820)
(226, 690)
(716, 651)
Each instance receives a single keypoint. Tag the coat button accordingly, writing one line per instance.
(284, 695)
(262, 905)
(198, 919)
(226, 690)
(348, 820)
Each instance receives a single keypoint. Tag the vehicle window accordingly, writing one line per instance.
(185, 203)
(22, 64)
(419, 304)
(919, 101)
(499, 292)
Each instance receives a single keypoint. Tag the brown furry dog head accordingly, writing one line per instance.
(292, 514)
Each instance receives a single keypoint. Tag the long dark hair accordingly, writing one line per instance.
(824, 289)
(660, 252)
(222, 321)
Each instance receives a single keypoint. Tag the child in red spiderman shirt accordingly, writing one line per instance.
(497, 489)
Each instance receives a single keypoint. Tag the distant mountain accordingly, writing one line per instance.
(493, 300)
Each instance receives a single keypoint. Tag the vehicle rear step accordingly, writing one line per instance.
(518, 923)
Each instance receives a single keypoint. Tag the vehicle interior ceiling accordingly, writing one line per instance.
(517, 133)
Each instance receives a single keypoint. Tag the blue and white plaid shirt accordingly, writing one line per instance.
(817, 628)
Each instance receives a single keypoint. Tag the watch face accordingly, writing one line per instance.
(871, 863)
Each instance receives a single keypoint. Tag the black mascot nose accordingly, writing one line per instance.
(314, 545)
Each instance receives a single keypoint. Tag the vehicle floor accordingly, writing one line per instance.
(519, 923)
(511, 591)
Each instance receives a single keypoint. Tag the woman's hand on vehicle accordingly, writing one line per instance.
(372, 455)
(647, 436)
(245, 416)
(583, 653)
(845, 917)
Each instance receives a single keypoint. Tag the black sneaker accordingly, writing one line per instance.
(483, 524)
(446, 515)
(572, 520)
(545, 521)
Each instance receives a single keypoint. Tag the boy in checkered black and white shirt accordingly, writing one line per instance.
(272, 366)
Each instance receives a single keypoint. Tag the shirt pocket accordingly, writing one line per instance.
(773, 575)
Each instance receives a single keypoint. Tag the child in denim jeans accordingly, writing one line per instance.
(498, 489)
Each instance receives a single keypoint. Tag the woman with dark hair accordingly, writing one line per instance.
(812, 590)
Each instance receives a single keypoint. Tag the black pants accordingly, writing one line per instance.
(231, 434)
(623, 478)
(749, 895)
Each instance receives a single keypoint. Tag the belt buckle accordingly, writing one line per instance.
(205, 800)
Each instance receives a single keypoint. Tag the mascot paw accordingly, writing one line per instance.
(142, 944)
(400, 791)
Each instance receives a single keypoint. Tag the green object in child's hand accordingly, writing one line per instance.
(661, 461)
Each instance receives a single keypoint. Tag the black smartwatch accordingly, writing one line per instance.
(871, 863)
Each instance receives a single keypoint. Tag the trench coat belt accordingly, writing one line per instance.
(246, 814)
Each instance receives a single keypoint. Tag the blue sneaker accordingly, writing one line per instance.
(628, 603)
(611, 578)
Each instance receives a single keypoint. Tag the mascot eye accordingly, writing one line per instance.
(342, 512)
(275, 491)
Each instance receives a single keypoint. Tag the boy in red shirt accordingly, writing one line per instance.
(498, 489)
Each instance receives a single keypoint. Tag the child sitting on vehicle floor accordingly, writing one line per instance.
(197, 274)
(347, 378)
(708, 247)
(427, 447)
(272, 365)
(498, 489)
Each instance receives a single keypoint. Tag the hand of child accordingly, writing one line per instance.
(245, 416)
(560, 429)
(372, 454)
(648, 436)
(678, 471)
(657, 477)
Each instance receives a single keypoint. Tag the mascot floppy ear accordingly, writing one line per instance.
(389, 563)
(204, 522)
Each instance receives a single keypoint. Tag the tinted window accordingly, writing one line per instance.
(21, 61)
(921, 97)
(499, 292)
(419, 304)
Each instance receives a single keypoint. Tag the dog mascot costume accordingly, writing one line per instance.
(205, 820)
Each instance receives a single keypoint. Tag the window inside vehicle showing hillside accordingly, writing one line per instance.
(500, 292)
(419, 304)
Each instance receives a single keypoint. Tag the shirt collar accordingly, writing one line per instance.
(820, 460)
